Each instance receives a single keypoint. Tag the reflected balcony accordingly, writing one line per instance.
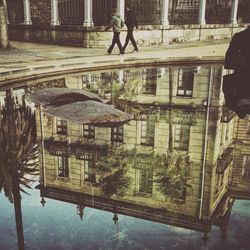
(224, 161)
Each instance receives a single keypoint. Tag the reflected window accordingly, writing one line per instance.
(219, 184)
(147, 133)
(185, 82)
(246, 167)
(181, 136)
(85, 79)
(145, 180)
(149, 86)
(63, 166)
(88, 170)
(248, 126)
(89, 131)
(224, 133)
(117, 134)
(61, 127)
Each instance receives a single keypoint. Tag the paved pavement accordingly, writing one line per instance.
(28, 60)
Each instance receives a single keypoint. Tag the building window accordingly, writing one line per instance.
(147, 133)
(61, 127)
(185, 82)
(246, 167)
(117, 134)
(181, 136)
(63, 166)
(149, 86)
(88, 170)
(89, 131)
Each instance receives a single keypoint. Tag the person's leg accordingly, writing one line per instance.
(126, 42)
(112, 44)
(133, 41)
(118, 42)
(131, 38)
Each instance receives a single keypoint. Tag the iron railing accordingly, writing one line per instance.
(40, 12)
(71, 12)
(244, 11)
(218, 11)
(15, 11)
(148, 12)
(102, 11)
(183, 11)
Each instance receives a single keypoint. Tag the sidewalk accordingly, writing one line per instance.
(28, 59)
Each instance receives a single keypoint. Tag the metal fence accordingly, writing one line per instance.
(40, 11)
(148, 12)
(218, 11)
(102, 11)
(244, 11)
(183, 11)
(71, 12)
(15, 11)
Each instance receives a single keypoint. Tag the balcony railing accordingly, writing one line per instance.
(227, 115)
(224, 161)
(81, 149)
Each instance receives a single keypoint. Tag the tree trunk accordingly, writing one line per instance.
(4, 40)
(14, 172)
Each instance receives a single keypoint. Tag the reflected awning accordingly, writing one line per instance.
(60, 96)
(90, 113)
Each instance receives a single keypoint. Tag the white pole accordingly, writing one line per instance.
(202, 12)
(26, 10)
(54, 13)
(164, 13)
(234, 11)
(121, 8)
(88, 19)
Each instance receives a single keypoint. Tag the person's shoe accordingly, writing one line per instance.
(108, 53)
(135, 51)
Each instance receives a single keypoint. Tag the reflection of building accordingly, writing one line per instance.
(200, 124)
(240, 187)
(201, 132)
(220, 217)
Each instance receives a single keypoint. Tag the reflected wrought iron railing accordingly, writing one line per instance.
(225, 159)
(130, 209)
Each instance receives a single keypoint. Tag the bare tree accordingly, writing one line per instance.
(4, 39)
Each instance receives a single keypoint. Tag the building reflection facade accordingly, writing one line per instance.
(240, 187)
(171, 163)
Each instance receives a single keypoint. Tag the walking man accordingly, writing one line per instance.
(116, 23)
(130, 22)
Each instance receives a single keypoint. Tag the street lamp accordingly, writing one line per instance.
(80, 210)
